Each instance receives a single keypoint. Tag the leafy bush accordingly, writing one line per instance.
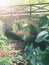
(6, 60)
(24, 26)
(35, 56)
(44, 36)
(3, 39)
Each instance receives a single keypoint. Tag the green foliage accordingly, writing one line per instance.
(34, 56)
(6, 60)
(43, 21)
(24, 26)
(30, 55)
(29, 31)
(14, 27)
(45, 58)
(3, 39)
(35, 1)
(44, 26)
(42, 36)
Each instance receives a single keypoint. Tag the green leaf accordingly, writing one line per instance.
(41, 36)
(6, 60)
(26, 47)
(45, 58)
(28, 56)
(43, 21)
(1, 63)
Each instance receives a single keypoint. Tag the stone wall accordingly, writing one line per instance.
(8, 20)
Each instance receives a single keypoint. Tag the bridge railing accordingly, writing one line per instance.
(25, 9)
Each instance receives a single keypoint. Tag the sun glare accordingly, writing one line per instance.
(5, 3)
(11, 2)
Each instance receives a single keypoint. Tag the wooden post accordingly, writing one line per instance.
(30, 10)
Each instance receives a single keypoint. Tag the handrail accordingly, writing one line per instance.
(26, 8)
